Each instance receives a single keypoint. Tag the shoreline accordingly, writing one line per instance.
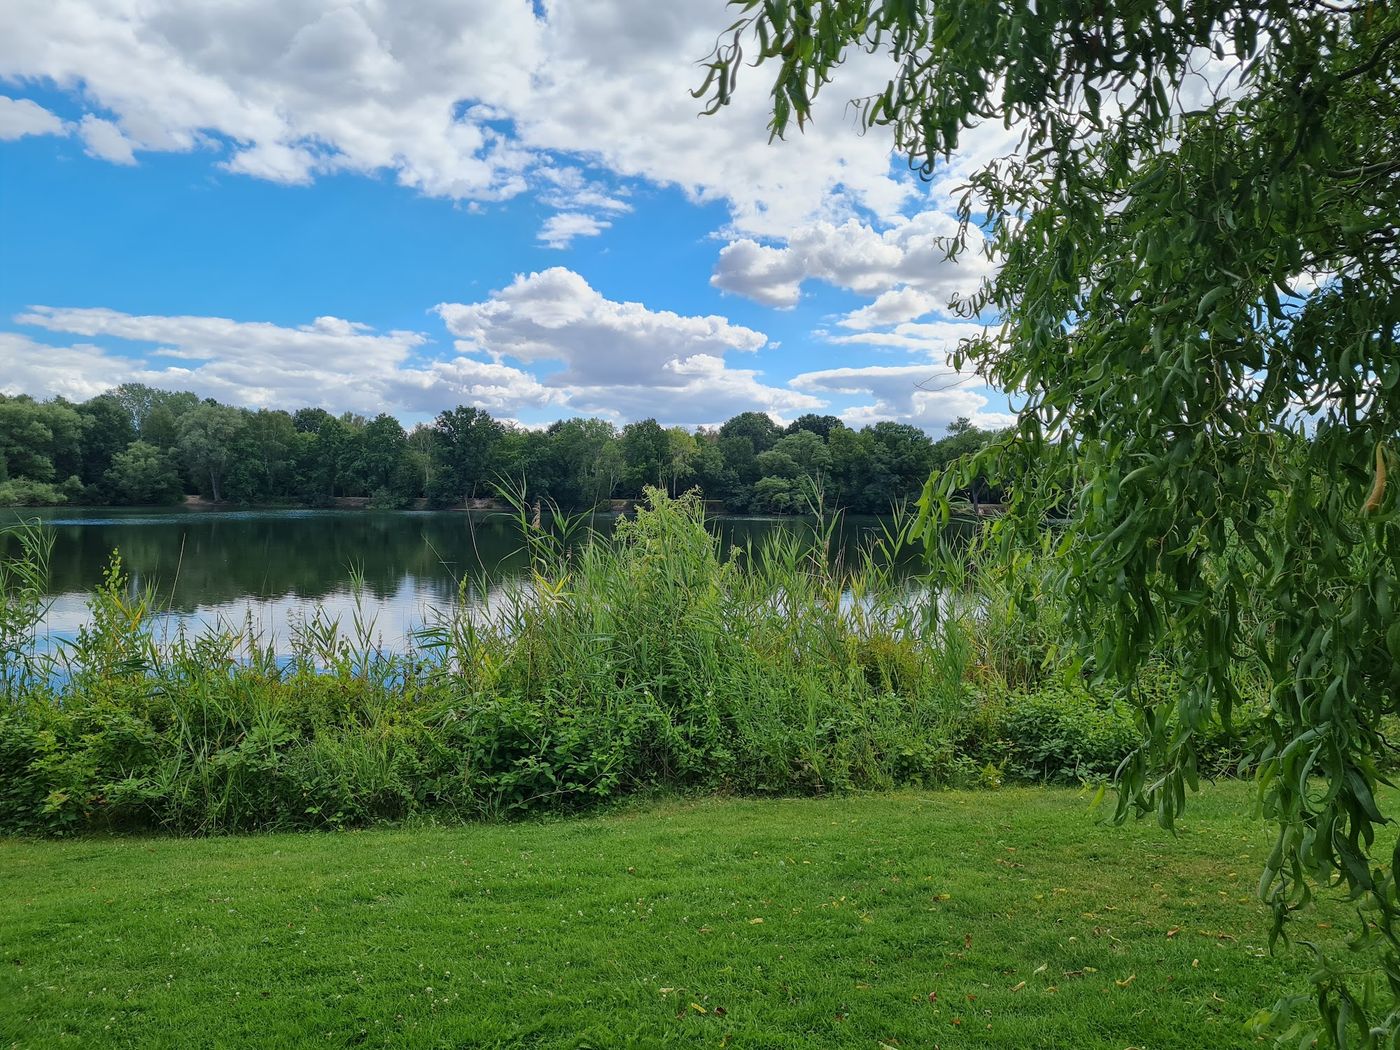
(713, 508)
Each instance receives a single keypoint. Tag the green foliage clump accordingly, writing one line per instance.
(651, 660)
(138, 446)
(23, 492)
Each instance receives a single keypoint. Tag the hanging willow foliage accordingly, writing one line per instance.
(1198, 297)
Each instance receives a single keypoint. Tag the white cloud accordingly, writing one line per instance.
(561, 228)
(937, 339)
(569, 189)
(570, 351)
(898, 304)
(468, 99)
(20, 117)
(75, 372)
(498, 389)
(295, 87)
(616, 89)
(483, 100)
(619, 358)
(330, 362)
(929, 396)
(106, 141)
(909, 257)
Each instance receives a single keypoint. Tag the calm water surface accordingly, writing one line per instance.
(272, 568)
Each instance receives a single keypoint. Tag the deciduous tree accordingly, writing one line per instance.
(1198, 297)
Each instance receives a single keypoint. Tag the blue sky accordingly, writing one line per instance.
(486, 202)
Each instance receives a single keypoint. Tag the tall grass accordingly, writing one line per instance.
(650, 660)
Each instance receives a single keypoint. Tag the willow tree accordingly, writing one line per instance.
(1198, 242)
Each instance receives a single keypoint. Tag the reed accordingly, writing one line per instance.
(651, 660)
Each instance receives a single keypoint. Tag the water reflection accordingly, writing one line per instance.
(271, 569)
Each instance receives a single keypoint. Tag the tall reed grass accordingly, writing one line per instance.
(649, 660)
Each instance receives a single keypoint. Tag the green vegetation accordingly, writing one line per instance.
(1005, 919)
(613, 666)
(1198, 291)
(139, 446)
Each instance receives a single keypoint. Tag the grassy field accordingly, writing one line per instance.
(993, 919)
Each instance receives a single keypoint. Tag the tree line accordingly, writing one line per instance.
(136, 445)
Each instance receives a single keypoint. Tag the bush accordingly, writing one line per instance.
(648, 661)
(21, 492)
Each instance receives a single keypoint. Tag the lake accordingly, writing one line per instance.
(271, 567)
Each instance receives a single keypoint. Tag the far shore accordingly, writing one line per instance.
(618, 506)
(713, 508)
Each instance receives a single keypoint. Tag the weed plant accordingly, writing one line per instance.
(648, 660)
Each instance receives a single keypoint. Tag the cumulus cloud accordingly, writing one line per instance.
(547, 342)
(929, 396)
(76, 372)
(555, 315)
(293, 89)
(616, 88)
(21, 116)
(561, 228)
(480, 101)
(905, 266)
(619, 358)
(936, 339)
(499, 389)
(106, 141)
(330, 362)
(467, 99)
(891, 307)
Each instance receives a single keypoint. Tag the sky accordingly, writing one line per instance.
(378, 207)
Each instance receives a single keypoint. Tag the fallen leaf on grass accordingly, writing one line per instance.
(755, 922)
(698, 1008)
(1126, 980)
(1173, 931)
(1018, 987)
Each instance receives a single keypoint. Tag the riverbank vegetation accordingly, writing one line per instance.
(1006, 919)
(139, 446)
(650, 660)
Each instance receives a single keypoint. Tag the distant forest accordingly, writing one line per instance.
(137, 446)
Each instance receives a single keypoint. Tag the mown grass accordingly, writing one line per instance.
(1003, 918)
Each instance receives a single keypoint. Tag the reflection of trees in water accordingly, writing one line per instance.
(228, 557)
(212, 559)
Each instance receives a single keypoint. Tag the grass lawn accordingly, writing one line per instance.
(916, 920)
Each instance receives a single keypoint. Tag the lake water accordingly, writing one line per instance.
(211, 568)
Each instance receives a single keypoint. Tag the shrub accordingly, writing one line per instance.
(21, 492)
(648, 661)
